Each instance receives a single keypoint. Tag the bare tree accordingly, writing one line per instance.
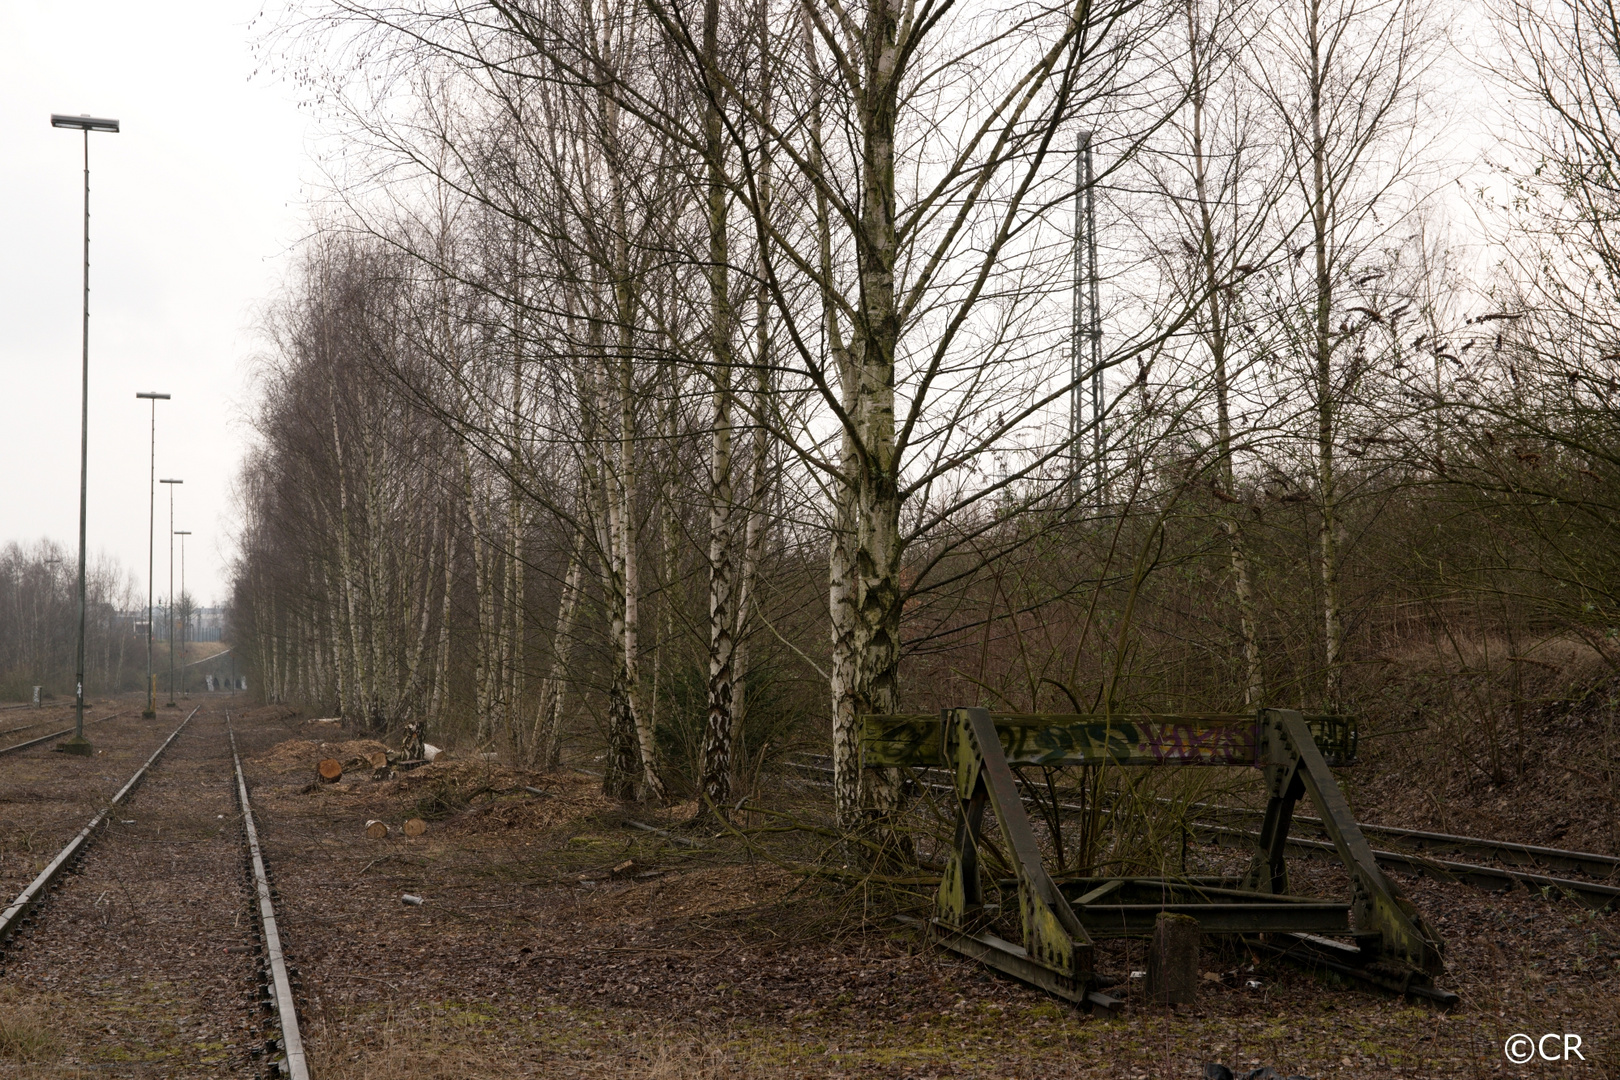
(1346, 77)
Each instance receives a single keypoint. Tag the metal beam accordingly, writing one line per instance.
(1052, 739)
(1136, 920)
(1011, 959)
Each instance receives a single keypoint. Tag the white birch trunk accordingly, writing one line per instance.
(547, 743)
(439, 704)
(715, 780)
(1216, 283)
(841, 585)
(1322, 348)
(621, 772)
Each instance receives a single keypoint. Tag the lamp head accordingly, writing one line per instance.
(152, 395)
(83, 122)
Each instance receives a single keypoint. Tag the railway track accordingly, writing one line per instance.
(30, 724)
(14, 747)
(1598, 889)
(278, 992)
(162, 928)
(18, 914)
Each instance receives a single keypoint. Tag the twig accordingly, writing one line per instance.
(665, 833)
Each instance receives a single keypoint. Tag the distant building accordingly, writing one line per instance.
(207, 623)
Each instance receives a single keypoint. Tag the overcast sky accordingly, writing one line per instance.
(193, 208)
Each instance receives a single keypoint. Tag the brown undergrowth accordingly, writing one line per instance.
(1481, 735)
(558, 940)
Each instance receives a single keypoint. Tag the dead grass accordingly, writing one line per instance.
(1544, 666)
(445, 1041)
(532, 960)
(449, 789)
(293, 754)
(405, 1049)
(27, 1031)
(693, 893)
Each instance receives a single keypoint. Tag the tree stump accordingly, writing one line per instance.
(1173, 960)
(415, 827)
(330, 769)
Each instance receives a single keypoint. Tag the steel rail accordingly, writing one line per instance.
(1508, 851)
(12, 917)
(1594, 894)
(30, 724)
(55, 734)
(294, 1064)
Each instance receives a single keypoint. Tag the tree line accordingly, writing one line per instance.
(39, 631)
(664, 383)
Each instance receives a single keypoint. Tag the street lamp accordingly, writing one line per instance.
(151, 541)
(79, 745)
(171, 483)
(182, 534)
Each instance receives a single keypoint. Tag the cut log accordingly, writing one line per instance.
(415, 827)
(375, 830)
(331, 770)
(379, 760)
(429, 751)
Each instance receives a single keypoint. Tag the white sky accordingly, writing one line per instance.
(193, 206)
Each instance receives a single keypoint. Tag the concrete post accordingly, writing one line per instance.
(1173, 960)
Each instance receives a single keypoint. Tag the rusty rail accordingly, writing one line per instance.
(55, 734)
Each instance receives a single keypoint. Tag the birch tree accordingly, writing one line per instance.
(1225, 188)
(1346, 78)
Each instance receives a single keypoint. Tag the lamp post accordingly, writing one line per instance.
(79, 745)
(172, 703)
(151, 542)
(182, 534)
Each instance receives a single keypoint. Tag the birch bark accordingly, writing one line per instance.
(622, 767)
(438, 706)
(350, 703)
(1322, 356)
(874, 338)
(546, 746)
(1217, 286)
(841, 524)
(716, 765)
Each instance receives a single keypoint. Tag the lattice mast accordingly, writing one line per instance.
(1085, 344)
